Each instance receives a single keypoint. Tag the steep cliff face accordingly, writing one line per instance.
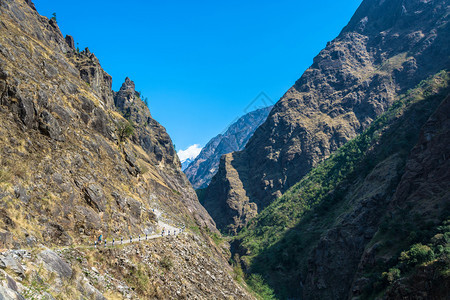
(77, 161)
(344, 231)
(387, 48)
(205, 166)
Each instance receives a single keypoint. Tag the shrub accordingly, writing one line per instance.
(391, 276)
(124, 130)
(166, 263)
(417, 254)
(257, 284)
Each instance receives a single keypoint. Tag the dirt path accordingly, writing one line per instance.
(165, 228)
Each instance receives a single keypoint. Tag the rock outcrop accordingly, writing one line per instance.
(387, 48)
(206, 164)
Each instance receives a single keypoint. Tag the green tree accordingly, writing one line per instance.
(54, 17)
(418, 254)
(124, 130)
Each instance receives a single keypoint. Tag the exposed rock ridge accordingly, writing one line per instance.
(206, 164)
(387, 48)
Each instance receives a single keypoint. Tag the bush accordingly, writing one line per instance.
(417, 254)
(166, 263)
(124, 130)
(257, 284)
(391, 276)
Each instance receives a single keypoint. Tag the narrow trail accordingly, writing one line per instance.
(166, 230)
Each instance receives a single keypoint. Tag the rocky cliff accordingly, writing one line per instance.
(371, 221)
(79, 160)
(205, 166)
(387, 48)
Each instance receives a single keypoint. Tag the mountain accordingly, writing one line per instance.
(78, 160)
(372, 220)
(387, 48)
(205, 166)
(185, 163)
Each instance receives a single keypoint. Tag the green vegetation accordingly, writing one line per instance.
(124, 130)
(195, 229)
(257, 284)
(54, 17)
(166, 263)
(277, 243)
(434, 255)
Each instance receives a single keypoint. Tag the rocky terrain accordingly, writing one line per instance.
(181, 267)
(205, 166)
(387, 48)
(79, 160)
(370, 222)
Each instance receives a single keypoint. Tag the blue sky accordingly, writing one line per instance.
(201, 63)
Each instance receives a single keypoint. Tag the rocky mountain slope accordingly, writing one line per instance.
(387, 48)
(205, 166)
(370, 222)
(79, 160)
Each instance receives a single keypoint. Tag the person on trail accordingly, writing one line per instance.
(100, 238)
(95, 244)
(131, 239)
(121, 240)
(145, 236)
(168, 233)
(113, 242)
(139, 238)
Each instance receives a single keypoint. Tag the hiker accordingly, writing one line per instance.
(145, 236)
(95, 244)
(121, 240)
(113, 242)
(100, 238)
(139, 238)
(131, 239)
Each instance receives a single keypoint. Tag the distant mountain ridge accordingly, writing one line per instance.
(186, 163)
(205, 165)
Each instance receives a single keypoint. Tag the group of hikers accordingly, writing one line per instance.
(100, 238)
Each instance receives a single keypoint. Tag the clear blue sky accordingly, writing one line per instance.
(201, 63)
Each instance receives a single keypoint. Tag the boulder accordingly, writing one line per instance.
(55, 233)
(8, 261)
(94, 197)
(135, 208)
(55, 263)
(9, 294)
(49, 126)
